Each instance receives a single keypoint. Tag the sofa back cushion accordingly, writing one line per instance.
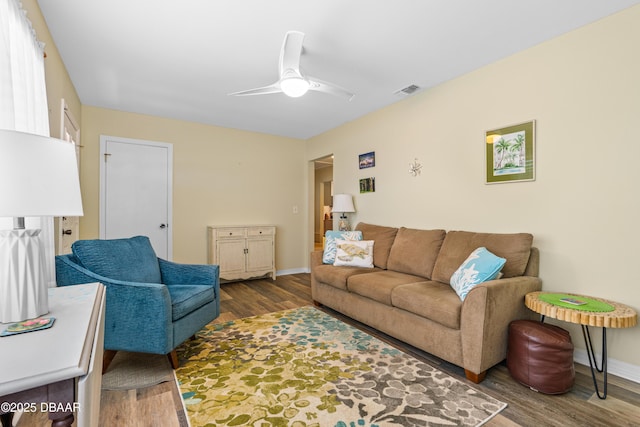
(383, 239)
(458, 245)
(415, 251)
(131, 260)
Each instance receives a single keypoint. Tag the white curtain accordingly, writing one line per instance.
(23, 100)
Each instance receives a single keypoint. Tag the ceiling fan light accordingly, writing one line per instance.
(294, 86)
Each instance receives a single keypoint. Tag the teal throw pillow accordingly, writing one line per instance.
(329, 255)
(480, 266)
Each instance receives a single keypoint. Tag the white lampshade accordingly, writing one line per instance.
(38, 177)
(342, 203)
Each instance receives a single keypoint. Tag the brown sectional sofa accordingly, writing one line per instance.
(407, 294)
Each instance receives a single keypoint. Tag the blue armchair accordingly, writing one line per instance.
(152, 305)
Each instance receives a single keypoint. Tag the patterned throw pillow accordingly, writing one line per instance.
(480, 266)
(354, 253)
(329, 255)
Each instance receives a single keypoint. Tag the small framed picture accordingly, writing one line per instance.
(510, 153)
(367, 160)
(367, 185)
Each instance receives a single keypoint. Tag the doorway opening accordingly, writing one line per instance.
(323, 199)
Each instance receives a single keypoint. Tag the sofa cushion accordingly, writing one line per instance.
(433, 300)
(186, 299)
(337, 277)
(415, 251)
(480, 266)
(378, 285)
(329, 253)
(131, 259)
(354, 253)
(383, 237)
(457, 246)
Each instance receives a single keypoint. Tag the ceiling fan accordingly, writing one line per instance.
(292, 82)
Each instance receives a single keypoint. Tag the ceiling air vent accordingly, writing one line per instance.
(409, 90)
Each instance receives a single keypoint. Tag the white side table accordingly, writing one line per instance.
(58, 369)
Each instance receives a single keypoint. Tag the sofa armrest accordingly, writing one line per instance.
(315, 259)
(486, 313)
(133, 310)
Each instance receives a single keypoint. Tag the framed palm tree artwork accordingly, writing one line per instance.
(510, 153)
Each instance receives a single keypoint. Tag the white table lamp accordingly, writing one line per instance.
(343, 203)
(38, 177)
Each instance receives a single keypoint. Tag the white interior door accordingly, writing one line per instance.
(136, 191)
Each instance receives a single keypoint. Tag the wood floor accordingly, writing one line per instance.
(161, 406)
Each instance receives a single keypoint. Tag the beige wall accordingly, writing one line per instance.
(220, 177)
(583, 89)
(59, 85)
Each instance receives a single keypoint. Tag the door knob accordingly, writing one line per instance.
(67, 232)
(163, 225)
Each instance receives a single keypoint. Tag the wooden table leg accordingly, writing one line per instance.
(58, 399)
(61, 395)
(6, 419)
(64, 421)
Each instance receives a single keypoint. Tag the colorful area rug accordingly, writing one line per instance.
(303, 367)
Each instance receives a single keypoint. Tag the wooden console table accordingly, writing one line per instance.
(57, 370)
(611, 315)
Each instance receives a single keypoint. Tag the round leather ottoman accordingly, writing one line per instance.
(540, 356)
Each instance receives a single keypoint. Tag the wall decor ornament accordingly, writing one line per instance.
(368, 185)
(367, 160)
(415, 167)
(510, 153)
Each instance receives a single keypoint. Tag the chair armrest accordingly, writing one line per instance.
(486, 313)
(69, 273)
(138, 315)
(188, 274)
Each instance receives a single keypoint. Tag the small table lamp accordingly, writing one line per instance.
(38, 177)
(343, 203)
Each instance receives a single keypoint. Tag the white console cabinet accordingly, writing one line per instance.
(242, 251)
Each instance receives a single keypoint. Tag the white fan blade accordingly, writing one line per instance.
(273, 88)
(330, 88)
(290, 52)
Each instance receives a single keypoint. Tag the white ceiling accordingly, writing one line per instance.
(180, 59)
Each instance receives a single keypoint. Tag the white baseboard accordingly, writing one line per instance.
(292, 271)
(615, 367)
